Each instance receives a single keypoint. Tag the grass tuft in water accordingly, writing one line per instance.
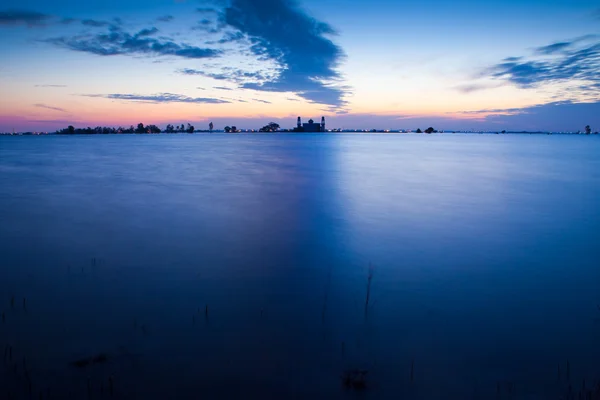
(355, 379)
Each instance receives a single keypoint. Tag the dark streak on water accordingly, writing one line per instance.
(237, 266)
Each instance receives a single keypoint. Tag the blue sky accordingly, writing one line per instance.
(378, 64)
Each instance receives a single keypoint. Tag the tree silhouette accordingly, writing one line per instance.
(588, 130)
(153, 129)
(419, 130)
(430, 130)
(210, 127)
(270, 127)
(71, 129)
(190, 128)
(227, 129)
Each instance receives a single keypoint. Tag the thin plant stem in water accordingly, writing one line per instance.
(326, 297)
(369, 279)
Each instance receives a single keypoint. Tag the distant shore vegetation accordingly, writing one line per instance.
(271, 127)
(71, 130)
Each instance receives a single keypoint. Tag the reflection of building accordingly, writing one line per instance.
(311, 126)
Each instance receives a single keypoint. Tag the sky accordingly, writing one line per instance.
(363, 64)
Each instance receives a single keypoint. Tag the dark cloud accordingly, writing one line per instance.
(147, 32)
(280, 31)
(222, 88)
(68, 21)
(211, 24)
(39, 105)
(118, 42)
(22, 17)
(262, 101)
(51, 86)
(230, 37)
(94, 23)
(165, 18)
(578, 59)
(159, 98)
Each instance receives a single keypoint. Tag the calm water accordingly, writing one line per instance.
(483, 250)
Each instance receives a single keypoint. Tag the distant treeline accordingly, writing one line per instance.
(71, 130)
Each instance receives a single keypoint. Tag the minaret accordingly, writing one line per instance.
(322, 124)
(299, 123)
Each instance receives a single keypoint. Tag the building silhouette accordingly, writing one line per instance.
(311, 126)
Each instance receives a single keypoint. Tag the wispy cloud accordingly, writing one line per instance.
(51, 86)
(190, 71)
(475, 87)
(493, 111)
(23, 17)
(165, 18)
(553, 48)
(118, 42)
(262, 101)
(577, 60)
(40, 105)
(159, 98)
(308, 59)
(230, 74)
(221, 88)
(50, 121)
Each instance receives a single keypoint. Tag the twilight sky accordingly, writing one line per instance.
(387, 64)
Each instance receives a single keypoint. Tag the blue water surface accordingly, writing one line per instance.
(237, 266)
